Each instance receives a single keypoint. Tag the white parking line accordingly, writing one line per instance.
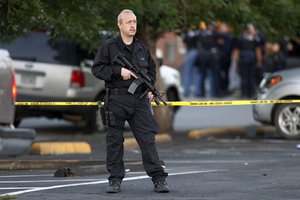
(17, 188)
(100, 182)
(25, 176)
(50, 181)
(131, 173)
(216, 161)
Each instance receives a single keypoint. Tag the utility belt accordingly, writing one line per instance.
(109, 118)
(123, 91)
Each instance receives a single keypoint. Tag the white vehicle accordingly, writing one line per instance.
(172, 83)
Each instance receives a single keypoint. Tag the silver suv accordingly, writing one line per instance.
(57, 70)
(12, 141)
(8, 89)
(280, 85)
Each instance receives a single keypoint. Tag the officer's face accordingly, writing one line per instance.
(127, 24)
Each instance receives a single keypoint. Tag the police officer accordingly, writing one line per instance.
(224, 43)
(208, 56)
(190, 73)
(121, 105)
(247, 56)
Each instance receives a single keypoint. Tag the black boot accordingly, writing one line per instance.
(161, 186)
(114, 186)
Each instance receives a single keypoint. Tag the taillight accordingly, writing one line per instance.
(14, 85)
(77, 79)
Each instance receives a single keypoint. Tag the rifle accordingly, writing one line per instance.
(142, 78)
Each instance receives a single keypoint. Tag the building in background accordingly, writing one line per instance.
(172, 49)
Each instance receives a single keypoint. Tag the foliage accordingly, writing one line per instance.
(83, 20)
(76, 19)
(7, 197)
(17, 15)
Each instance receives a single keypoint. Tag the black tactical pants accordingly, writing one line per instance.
(247, 73)
(137, 112)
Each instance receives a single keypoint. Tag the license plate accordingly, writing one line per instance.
(28, 80)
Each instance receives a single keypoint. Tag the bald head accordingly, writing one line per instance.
(126, 11)
(127, 24)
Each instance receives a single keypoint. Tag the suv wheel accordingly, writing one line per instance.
(17, 122)
(94, 120)
(172, 95)
(287, 120)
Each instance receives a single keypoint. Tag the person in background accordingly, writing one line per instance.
(275, 60)
(190, 72)
(247, 57)
(286, 46)
(208, 60)
(224, 43)
(262, 44)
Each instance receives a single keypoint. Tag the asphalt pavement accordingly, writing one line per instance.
(211, 168)
(210, 155)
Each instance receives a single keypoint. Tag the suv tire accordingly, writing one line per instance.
(94, 121)
(172, 95)
(287, 120)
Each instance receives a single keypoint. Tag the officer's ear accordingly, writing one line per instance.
(119, 23)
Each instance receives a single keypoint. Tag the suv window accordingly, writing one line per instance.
(40, 47)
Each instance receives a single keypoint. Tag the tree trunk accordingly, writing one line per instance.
(163, 114)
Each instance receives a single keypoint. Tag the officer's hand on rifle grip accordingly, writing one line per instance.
(127, 74)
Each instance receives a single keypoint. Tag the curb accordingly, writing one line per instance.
(43, 164)
(58, 148)
(130, 143)
(131, 166)
(66, 168)
(15, 142)
(250, 131)
(203, 133)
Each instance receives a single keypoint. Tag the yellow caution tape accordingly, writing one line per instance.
(55, 103)
(172, 103)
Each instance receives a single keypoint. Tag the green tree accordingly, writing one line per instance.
(83, 20)
(76, 19)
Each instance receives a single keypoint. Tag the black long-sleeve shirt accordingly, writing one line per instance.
(137, 53)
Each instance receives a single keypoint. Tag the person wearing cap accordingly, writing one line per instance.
(207, 60)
